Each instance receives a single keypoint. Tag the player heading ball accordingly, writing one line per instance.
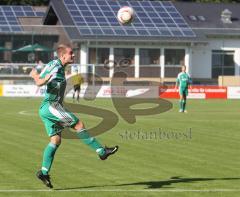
(55, 117)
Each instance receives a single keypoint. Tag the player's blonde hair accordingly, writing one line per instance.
(183, 66)
(61, 49)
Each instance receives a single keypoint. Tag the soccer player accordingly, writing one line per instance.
(77, 81)
(183, 82)
(55, 117)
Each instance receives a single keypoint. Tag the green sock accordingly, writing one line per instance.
(90, 141)
(48, 157)
(181, 104)
(184, 105)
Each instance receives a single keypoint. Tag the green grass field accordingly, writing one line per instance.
(207, 163)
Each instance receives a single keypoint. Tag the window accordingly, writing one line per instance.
(149, 56)
(201, 18)
(197, 18)
(124, 53)
(193, 18)
(125, 56)
(98, 55)
(174, 57)
(222, 63)
(149, 63)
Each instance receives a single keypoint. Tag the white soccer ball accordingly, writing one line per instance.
(125, 15)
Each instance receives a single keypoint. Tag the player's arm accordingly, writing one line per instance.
(39, 81)
(177, 83)
(190, 82)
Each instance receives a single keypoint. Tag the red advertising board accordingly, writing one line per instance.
(204, 92)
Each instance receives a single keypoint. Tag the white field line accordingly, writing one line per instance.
(27, 113)
(121, 190)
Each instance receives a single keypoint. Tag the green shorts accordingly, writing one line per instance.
(183, 91)
(56, 118)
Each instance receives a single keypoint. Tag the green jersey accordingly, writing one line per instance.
(183, 80)
(56, 85)
(52, 112)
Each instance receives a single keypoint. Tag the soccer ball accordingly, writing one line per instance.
(125, 15)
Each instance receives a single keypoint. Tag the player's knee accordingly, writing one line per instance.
(79, 126)
(58, 143)
(56, 140)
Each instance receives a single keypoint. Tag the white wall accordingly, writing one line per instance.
(202, 56)
(201, 62)
(231, 45)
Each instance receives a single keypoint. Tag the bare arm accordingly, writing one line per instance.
(190, 86)
(176, 85)
(190, 82)
(39, 81)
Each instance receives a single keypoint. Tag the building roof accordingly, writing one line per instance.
(211, 13)
(96, 19)
(154, 20)
(206, 18)
(12, 17)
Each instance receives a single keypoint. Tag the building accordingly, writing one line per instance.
(164, 35)
(21, 26)
(219, 25)
(204, 37)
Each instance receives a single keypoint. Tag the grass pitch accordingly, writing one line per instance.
(193, 154)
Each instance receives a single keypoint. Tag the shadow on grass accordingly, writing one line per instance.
(157, 184)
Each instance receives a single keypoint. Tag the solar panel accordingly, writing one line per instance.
(30, 14)
(27, 9)
(17, 8)
(9, 17)
(40, 14)
(153, 18)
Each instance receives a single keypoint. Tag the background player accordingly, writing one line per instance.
(77, 80)
(183, 82)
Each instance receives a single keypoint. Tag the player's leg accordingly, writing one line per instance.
(49, 153)
(184, 103)
(181, 100)
(185, 100)
(71, 120)
(48, 157)
(68, 119)
(84, 135)
(74, 91)
(78, 95)
(92, 142)
(50, 118)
